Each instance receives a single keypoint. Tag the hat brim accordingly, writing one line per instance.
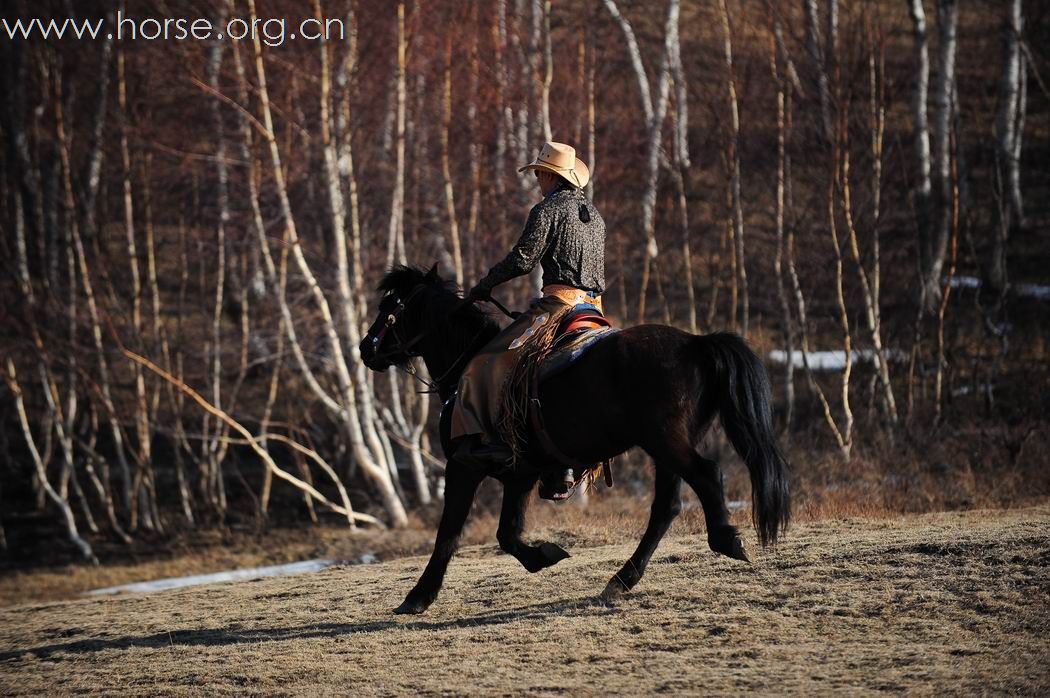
(579, 175)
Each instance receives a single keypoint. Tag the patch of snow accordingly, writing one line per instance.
(834, 360)
(1036, 291)
(735, 505)
(964, 282)
(218, 577)
(1040, 292)
(368, 559)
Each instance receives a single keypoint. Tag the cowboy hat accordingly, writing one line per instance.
(561, 159)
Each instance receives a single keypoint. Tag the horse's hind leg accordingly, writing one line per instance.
(516, 490)
(461, 482)
(705, 477)
(666, 506)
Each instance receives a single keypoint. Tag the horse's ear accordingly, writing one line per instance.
(432, 275)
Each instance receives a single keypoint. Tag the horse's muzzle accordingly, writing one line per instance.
(369, 357)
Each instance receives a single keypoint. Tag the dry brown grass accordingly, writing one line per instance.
(608, 519)
(933, 603)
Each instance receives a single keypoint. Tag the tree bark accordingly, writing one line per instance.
(816, 54)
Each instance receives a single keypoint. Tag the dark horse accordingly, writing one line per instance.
(651, 386)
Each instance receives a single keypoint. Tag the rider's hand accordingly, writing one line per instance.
(479, 293)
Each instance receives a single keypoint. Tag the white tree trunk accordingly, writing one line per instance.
(446, 172)
(655, 132)
(783, 106)
(944, 98)
(548, 72)
(40, 466)
(635, 55)
(396, 236)
(920, 124)
(214, 481)
(1009, 127)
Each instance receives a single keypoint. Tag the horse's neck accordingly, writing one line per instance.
(446, 360)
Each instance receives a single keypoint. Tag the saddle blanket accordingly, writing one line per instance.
(571, 349)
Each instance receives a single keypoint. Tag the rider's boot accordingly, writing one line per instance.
(492, 456)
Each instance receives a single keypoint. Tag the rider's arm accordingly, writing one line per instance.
(526, 253)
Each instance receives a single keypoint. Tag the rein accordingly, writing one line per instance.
(513, 315)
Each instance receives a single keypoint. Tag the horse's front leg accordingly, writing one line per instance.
(516, 490)
(461, 482)
(667, 503)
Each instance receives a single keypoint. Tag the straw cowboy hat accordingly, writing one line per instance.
(561, 159)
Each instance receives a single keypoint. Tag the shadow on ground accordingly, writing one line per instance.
(236, 635)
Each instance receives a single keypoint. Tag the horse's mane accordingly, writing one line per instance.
(402, 278)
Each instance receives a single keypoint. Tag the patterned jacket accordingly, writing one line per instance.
(566, 235)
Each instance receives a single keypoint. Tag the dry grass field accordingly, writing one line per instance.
(943, 602)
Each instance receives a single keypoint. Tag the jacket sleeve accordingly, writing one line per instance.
(526, 253)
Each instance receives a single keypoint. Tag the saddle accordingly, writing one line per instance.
(582, 317)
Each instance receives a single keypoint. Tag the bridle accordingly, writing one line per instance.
(405, 348)
(402, 347)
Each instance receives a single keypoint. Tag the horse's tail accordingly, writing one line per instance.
(744, 402)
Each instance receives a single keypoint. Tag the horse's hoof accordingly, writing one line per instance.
(553, 553)
(614, 591)
(544, 556)
(739, 551)
(409, 607)
(726, 541)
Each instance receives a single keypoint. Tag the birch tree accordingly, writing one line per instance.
(446, 172)
(396, 237)
(783, 102)
(143, 502)
(1009, 132)
(72, 531)
(104, 384)
(733, 157)
(360, 428)
(944, 100)
(655, 113)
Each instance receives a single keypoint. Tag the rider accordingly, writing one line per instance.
(566, 235)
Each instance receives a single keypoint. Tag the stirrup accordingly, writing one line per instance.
(558, 489)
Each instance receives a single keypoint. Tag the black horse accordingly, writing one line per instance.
(651, 386)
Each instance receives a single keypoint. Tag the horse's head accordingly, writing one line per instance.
(393, 337)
